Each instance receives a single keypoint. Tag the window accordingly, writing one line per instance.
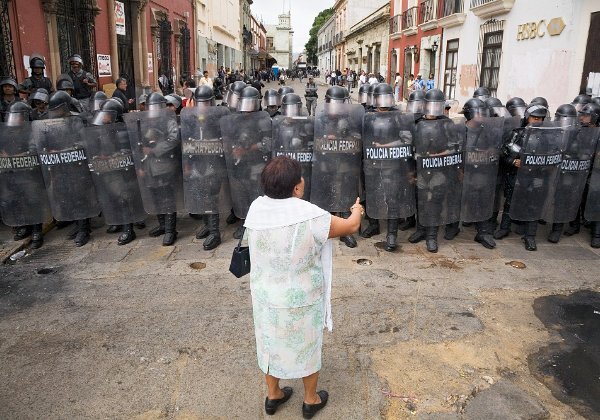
(75, 21)
(451, 68)
(490, 60)
(270, 43)
(7, 63)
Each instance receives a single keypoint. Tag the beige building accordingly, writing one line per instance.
(279, 40)
(218, 38)
(366, 43)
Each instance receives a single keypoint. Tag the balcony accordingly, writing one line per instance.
(485, 9)
(451, 13)
(395, 27)
(409, 21)
(427, 15)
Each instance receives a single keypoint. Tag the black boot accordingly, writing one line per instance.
(127, 236)
(408, 223)
(170, 229)
(451, 231)
(214, 239)
(232, 218)
(22, 233)
(349, 241)
(484, 234)
(392, 234)
(504, 229)
(159, 230)
(595, 243)
(140, 225)
(555, 233)
(494, 220)
(418, 236)
(114, 229)
(529, 238)
(431, 234)
(203, 232)
(73, 232)
(574, 227)
(372, 229)
(37, 236)
(83, 236)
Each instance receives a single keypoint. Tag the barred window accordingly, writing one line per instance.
(7, 60)
(75, 23)
(451, 68)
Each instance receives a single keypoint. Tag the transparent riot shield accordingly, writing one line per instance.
(578, 152)
(389, 164)
(293, 137)
(156, 148)
(482, 156)
(23, 199)
(592, 204)
(113, 171)
(205, 180)
(247, 144)
(541, 157)
(337, 155)
(439, 151)
(60, 147)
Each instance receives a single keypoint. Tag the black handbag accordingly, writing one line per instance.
(240, 260)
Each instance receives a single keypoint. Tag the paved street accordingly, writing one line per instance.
(145, 331)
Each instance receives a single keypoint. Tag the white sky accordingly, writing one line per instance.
(303, 15)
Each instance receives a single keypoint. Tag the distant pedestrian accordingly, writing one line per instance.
(397, 86)
(419, 83)
(430, 83)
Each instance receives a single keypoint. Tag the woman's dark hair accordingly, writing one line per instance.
(280, 176)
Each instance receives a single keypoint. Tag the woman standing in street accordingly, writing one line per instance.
(290, 280)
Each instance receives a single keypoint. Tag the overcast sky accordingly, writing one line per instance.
(303, 15)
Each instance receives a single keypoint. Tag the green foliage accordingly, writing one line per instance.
(312, 44)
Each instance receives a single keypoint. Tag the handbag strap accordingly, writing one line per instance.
(239, 245)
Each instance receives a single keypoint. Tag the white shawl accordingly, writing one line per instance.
(268, 213)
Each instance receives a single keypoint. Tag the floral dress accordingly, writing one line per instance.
(286, 281)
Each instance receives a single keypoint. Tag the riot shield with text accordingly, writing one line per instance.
(205, 180)
(337, 156)
(156, 148)
(247, 144)
(60, 147)
(541, 157)
(113, 172)
(578, 152)
(389, 165)
(293, 137)
(592, 203)
(439, 151)
(482, 156)
(23, 199)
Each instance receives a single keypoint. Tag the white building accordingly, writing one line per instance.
(524, 48)
(325, 49)
(367, 42)
(279, 40)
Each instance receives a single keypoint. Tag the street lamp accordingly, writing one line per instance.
(434, 48)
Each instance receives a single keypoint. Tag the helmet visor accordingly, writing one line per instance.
(383, 101)
(334, 106)
(58, 111)
(416, 107)
(565, 121)
(270, 100)
(362, 97)
(482, 97)
(248, 105)
(517, 111)
(156, 106)
(434, 108)
(104, 117)
(15, 119)
(233, 100)
(292, 110)
(500, 111)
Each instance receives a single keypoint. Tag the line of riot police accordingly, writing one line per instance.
(415, 168)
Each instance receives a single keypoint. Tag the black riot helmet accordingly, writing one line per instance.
(283, 90)
(155, 101)
(474, 108)
(17, 113)
(535, 110)
(383, 96)
(75, 58)
(596, 99)
(59, 104)
(110, 112)
(270, 98)
(482, 93)
(580, 101)
(97, 100)
(235, 90)
(362, 93)
(37, 62)
(370, 101)
(204, 96)
(434, 102)
(416, 102)
(174, 100)
(291, 105)
(592, 109)
(40, 94)
(335, 98)
(539, 100)
(249, 100)
(65, 83)
(516, 106)
(9, 81)
(566, 115)
(495, 107)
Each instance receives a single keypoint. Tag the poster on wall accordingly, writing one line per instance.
(150, 65)
(120, 18)
(104, 65)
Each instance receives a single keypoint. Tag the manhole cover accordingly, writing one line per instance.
(364, 261)
(197, 265)
(517, 264)
(46, 270)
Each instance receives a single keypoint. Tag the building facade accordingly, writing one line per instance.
(258, 52)
(325, 50)
(367, 43)
(521, 48)
(279, 40)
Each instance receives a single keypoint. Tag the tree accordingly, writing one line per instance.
(312, 44)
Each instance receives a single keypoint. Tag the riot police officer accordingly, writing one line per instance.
(580, 100)
(589, 116)
(370, 100)
(83, 81)
(37, 80)
(311, 96)
(97, 100)
(8, 95)
(65, 84)
(482, 93)
(271, 102)
(363, 91)
(39, 102)
(282, 91)
(516, 107)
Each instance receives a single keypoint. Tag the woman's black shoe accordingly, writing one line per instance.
(309, 410)
(271, 406)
